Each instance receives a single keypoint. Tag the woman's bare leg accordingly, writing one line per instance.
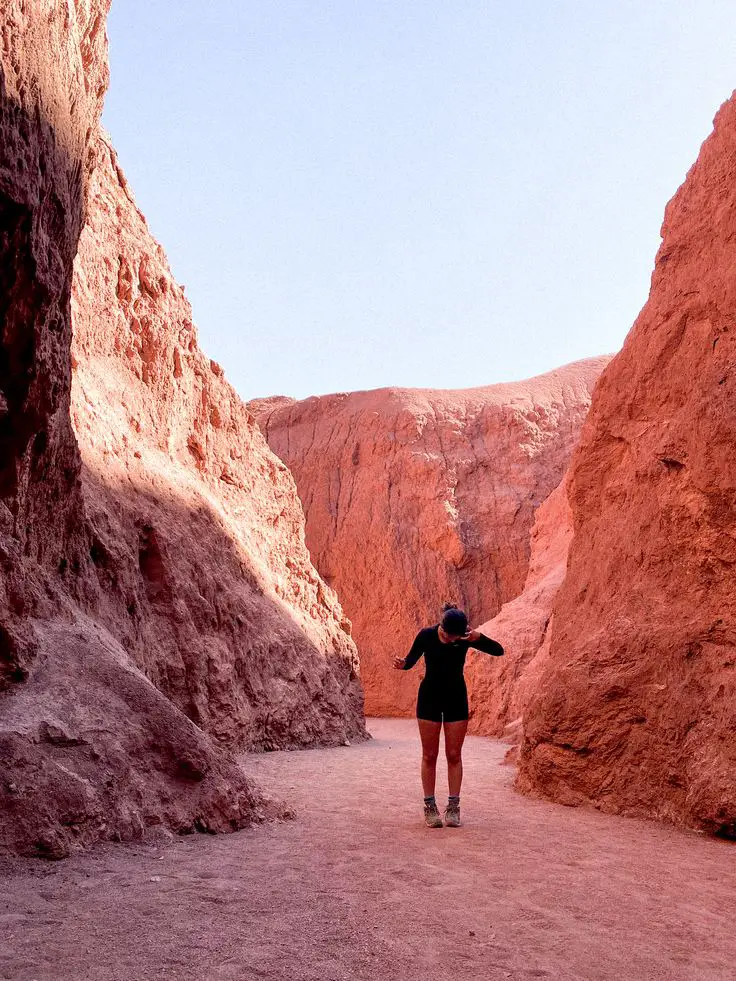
(430, 735)
(454, 739)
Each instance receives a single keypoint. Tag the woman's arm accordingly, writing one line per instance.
(417, 649)
(482, 643)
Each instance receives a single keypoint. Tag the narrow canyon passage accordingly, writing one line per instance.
(357, 888)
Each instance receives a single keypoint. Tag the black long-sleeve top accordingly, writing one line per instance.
(444, 663)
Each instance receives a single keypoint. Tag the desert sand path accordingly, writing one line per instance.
(356, 888)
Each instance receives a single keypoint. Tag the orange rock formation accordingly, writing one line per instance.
(635, 711)
(413, 498)
(156, 591)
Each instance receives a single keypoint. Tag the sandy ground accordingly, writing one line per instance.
(357, 888)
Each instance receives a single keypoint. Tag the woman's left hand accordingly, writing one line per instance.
(472, 636)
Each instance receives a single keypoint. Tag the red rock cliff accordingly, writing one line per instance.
(415, 497)
(637, 710)
(161, 587)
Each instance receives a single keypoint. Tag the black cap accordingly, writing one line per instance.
(454, 622)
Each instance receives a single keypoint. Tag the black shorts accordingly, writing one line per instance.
(445, 704)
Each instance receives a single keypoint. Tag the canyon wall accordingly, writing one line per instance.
(636, 709)
(418, 497)
(156, 600)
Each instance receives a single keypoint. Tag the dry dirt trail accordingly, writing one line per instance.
(356, 888)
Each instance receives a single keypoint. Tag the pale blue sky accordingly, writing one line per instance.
(362, 193)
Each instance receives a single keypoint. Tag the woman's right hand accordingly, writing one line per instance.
(399, 663)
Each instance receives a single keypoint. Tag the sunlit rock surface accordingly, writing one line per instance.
(199, 555)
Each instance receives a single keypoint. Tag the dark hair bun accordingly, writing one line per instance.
(454, 622)
(449, 606)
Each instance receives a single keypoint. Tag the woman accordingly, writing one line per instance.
(443, 700)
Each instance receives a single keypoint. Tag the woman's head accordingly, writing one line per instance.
(454, 622)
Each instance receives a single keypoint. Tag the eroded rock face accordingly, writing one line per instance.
(500, 689)
(198, 535)
(636, 711)
(163, 581)
(53, 73)
(414, 498)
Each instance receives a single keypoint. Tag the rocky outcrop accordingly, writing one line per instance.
(90, 749)
(500, 690)
(636, 710)
(156, 591)
(413, 498)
